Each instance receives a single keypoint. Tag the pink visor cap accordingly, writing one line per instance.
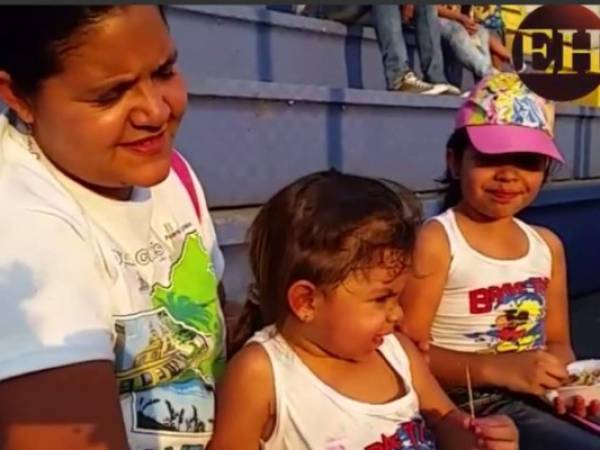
(501, 115)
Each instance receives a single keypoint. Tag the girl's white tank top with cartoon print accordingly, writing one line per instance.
(311, 415)
(488, 304)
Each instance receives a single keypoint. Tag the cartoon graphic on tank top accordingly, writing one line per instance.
(412, 435)
(519, 324)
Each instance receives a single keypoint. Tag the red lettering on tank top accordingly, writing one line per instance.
(484, 300)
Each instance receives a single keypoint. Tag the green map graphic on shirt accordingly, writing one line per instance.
(191, 298)
(169, 357)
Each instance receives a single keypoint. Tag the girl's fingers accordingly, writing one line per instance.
(467, 423)
(496, 428)
(494, 421)
(559, 406)
(498, 433)
(579, 407)
(550, 381)
(594, 408)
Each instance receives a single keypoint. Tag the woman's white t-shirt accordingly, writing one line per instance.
(310, 415)
(84, 278)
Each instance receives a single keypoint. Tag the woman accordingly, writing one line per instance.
(109, 276)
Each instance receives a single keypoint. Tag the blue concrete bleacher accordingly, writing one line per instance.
(305, 115)
(274, 96)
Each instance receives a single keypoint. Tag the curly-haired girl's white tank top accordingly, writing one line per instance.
(311, 415)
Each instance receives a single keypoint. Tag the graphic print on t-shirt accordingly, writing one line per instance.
(412, 435)
(167, 358)
(520, 308)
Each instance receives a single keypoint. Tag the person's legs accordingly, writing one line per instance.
(346, 14)
(541, 430)
(482, 36)
(388, 26)
(474, 56)
(429, 43)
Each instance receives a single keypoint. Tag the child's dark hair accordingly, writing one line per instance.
(321, 228)
(458, 142)
(33, 39)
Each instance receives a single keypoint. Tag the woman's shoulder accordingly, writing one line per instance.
(28, 189)
(34, 199)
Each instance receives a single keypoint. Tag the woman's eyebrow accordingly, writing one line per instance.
(124, 82)
(120, 83)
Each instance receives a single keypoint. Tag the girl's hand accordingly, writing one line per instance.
(469, 24)
(576, 405)
(493, 432)
(408, 12)
(531, 372)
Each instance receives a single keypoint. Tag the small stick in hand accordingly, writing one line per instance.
(470, 391)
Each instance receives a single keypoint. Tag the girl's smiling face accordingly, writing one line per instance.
(498, 186)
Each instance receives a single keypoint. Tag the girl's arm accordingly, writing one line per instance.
(497, 47)
(532, 372)
(450, 14)
(452, 428)
(245, 402)
(420, 301)
(557, 322)
(429, 272)
(558, 338)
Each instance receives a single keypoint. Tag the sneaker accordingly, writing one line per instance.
(451, 89)
(410, 83)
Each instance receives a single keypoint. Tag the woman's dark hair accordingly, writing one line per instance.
(458, 142)
(321, 228)
(32, 39)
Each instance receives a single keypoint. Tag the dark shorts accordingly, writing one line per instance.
(539, 428)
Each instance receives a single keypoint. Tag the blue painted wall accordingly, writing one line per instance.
(274, 96)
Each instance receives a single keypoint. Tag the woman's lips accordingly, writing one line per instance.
(148, 146)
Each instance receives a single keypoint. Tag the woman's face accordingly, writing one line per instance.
(109, 118)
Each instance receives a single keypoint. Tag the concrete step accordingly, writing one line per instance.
(254, 43)
(569, 208)
(247, 139)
